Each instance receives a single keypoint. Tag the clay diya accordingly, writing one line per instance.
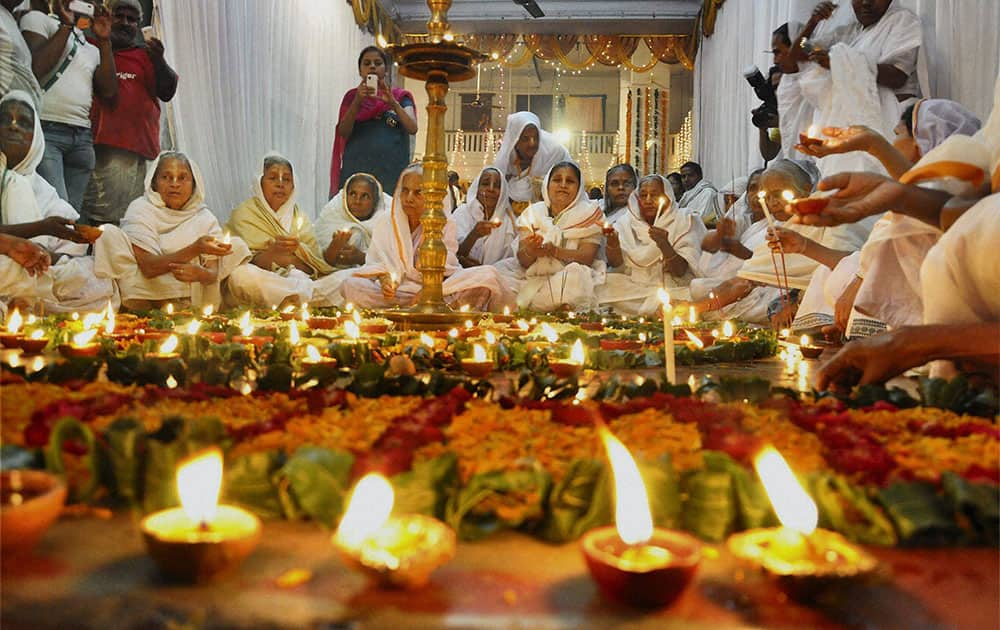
(323, 323)
(503, 318)
(82, 345)
(35, 342)
(314, 359)
(630, 345)
(479, 365)
(397, 551)
(167, 350)
(804, 559)
(11, 337)
(808, 349)
(373, 327)
(811, 137)
(632, 562)
(31, 502)
(571, 367)
(592, 326)
(200, 540)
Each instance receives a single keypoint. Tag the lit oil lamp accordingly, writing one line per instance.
(81, 345)
(314, 359)
(31, 503)
(288, 313)
(398, 551)
(802, 557)
(631, 561)
(34, 342)
(813, 204)
(319, 322)
(374, 326)
(480, 365)
(694, 342)
(246, 336)
(13, 334)
(293, 334)
(503, 318)
(728, 330)
(808, 349)
(549, 333)
(167, 349)
(811, 137)
(490, 337)
(201, 539)
(571, 367)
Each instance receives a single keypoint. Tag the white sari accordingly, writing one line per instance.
(702, 201)
(336, 216)
(394, 250)
(633, 287)
(549, 283)
(151, 226)
(495, 246)
(550, 153)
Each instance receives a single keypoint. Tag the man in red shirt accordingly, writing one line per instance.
(127, 128)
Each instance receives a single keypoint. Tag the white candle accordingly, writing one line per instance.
(668, 338)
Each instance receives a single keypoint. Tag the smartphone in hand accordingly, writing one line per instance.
(371, 81)
(83, 13)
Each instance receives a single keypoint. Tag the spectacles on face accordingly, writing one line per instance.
(126, 17)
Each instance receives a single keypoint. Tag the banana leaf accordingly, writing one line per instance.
(125, 442)
(663, 491)
(581, 501)
(175, 440)
(978, 503)
(710, 509)
(922, 517)
(848, 510)
(249, 483)
(498, 500)
(753, 508)
(426, 487)
(314, 483)
(70, 428)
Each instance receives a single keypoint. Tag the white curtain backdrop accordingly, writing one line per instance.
(257, 75)
(960, 41)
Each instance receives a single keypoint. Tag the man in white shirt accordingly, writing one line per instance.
(700, 196)
(71, 71)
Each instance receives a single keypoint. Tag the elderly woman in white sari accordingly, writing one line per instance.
(32, 209)
(527, 153)
(170, 247)
(558, 240)
(344, 225)
(390, 278)
(485, 223)
(654, 245)
(287, 266)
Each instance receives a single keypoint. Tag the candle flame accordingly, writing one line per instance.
(479, 354)
(313, 355)
(367, 510)
(788, 196)
(38, 333)
(169, 344)
(692, 383)
(109, 323)
(490, 337)
(506, 310)
(14, 360)
(728, 330)
(761, 195)
(549, 333)
(795, 509)
(784, 333)
(813, 131)
(694, 339)
(468, 324)
(288, 309)
(357, 318)
(577, 354)
(199, 481)
(82, 339)
(305, 312)
(171, 382)
(245, 328)
(31, 319)
(246, 389)
(208, 310)
(453, 333)
(170, 308)
(677, 321)
(37, 364)
(805, 340)
(633, 519)
(664, 297)
(523, 325)
(192, 327)
(293, 334)
(227, 239)
(14, 322)
(351, 330)
(91, 320)
(427, 340)
(642, 337)
(465, 308)
(692, 315)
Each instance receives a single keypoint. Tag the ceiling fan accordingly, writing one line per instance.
(531, 7)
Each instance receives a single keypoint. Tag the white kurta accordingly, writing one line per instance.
(702, 201)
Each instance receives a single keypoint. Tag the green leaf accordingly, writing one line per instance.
(709, 512)
(125, 443)
(753, 508)
(847, 510)
(978, 503)
(663, 491)
(81, 490)
(249, 483)
(426, 487)
(920, 515)
(314, 483)
(581, 501)
(498, 500)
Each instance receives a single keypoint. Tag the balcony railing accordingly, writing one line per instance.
(478, 142)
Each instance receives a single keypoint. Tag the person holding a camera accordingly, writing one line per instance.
(127, 128)
(375, 125)
(71, 71)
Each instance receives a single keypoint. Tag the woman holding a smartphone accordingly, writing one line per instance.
(375, 125)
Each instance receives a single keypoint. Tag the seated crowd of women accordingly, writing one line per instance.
(526, 237)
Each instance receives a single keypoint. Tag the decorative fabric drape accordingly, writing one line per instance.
(726, 141)
(256, 76)
(579, 52)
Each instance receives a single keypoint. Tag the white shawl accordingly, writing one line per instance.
(702, 201)
(550, 153)
(495, 246)
(336, 216)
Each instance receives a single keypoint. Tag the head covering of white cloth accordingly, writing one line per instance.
(286, 213)
(495, 246)
(935, 119)
(46, 198)
(581, 219)
(641, 251)
(392, 246)
(152, 226)
(550, 152)
(336, 215)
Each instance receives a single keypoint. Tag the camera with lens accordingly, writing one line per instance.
(762, 87)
